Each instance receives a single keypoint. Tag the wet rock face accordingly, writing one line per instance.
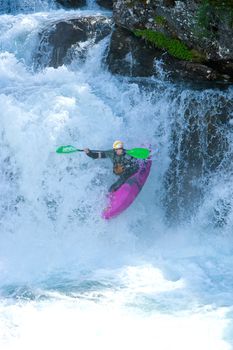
(200, 147)
(203, 28)
(181, 19)
(64, 39)
(169, 3)
(133, 14)
(127, 55)
(108, 4)
(131, 56)
(72, 3)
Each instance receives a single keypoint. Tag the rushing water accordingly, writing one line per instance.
(158, 276)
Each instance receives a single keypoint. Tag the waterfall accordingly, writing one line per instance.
(26, 6)
(159, 275)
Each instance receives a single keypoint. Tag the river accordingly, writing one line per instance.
(157, 277)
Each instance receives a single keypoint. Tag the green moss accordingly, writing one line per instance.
(213, 12)
(173, 46)
(160, 20)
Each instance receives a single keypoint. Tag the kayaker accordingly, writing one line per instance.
(124, 165)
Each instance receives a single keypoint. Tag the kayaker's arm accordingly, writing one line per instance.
(97, 154)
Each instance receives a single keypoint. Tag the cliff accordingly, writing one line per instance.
(193, 37)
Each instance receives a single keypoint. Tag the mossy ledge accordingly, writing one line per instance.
(174, 47)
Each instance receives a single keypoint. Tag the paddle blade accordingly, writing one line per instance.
(140, 153)
(67, 149)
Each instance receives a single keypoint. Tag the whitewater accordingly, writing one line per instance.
(69, 279)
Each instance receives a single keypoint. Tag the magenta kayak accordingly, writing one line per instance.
(121, 199)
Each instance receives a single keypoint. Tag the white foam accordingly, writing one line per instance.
(115, 318)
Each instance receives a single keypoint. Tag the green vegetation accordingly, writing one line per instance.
(221, 3)
(173, 46)
(212, 12)
(160, 20)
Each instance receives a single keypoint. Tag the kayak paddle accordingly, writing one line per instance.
(141, 153)
(68, 149)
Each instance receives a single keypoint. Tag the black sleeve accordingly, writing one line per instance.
(97, 154)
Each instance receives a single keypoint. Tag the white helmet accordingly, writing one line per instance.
(118, 144)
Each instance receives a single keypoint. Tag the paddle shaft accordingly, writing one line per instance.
(142, 153)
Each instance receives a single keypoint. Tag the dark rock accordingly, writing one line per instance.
(72, 3)
(132, 56)
(210, 37)
(225, 67)
(128, 56)
(169, 3)
(108, 4)
(133, 14)
(200, 147)
(190, 70)
(64, 36)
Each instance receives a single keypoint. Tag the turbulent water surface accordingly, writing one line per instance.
(157, 277)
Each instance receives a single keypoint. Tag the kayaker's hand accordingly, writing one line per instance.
(86, 150)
